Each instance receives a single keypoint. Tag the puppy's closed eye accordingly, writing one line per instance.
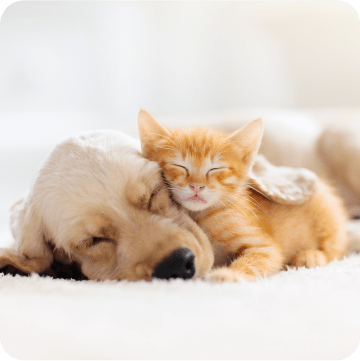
(93, 241)
(96, 240)
(97, 248)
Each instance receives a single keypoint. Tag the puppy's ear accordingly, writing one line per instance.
(150, 132)
(28, 265)
(33, 252)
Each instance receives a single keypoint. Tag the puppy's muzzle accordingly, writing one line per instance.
(179, 265)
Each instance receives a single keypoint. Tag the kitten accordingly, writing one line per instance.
(207, 172)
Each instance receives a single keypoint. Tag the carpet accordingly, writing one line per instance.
(295, 314)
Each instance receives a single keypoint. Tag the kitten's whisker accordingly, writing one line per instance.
(251, 199)
(251, 210)
(236, 206)
(242, 204)
(257, 204)
(228, 210)
(181, 193)
(256, 190)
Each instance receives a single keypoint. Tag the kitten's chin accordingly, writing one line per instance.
(194, 205)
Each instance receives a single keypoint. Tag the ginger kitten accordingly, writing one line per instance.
(207, 173)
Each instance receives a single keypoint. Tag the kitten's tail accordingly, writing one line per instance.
(353, 227)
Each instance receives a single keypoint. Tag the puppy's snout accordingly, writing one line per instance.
(179, 265)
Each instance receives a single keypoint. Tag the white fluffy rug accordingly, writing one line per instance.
(296, 314)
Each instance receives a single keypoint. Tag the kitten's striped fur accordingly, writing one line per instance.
(207, 172)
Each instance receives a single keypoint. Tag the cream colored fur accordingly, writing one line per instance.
(282, 185)
(339, 146)
(98, 185)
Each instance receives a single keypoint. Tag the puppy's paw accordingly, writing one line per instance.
(138, 194)
(310, 259)
(223, 274)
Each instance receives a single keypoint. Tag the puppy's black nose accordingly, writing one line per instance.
(179, 265)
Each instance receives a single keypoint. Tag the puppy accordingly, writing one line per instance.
(97, 202)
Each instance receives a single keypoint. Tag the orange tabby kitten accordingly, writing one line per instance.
(207, 172)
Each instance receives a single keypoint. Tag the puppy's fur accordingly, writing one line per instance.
(96, 201)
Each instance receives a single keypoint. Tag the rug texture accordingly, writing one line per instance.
(295, 314)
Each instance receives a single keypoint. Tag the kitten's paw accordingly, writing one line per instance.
(310, 258)
(223, 274)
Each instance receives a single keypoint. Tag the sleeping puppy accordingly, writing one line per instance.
(97, 202)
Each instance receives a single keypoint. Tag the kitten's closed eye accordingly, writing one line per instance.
(180, 167)
(215, 170)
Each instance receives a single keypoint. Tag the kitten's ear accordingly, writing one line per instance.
(248, 139)
(150, 131)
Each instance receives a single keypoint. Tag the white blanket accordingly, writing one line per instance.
(296, 314)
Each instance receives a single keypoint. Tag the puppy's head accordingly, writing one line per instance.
(128, 228)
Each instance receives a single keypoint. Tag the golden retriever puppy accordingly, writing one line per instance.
(97, 202)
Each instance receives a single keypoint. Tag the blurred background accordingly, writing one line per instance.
(72, 66)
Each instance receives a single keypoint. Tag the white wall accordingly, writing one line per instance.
(104, 60)
(72, 66)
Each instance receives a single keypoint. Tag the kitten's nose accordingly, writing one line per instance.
(197, 188)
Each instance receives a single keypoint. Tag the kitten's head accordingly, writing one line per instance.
(203, 166)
